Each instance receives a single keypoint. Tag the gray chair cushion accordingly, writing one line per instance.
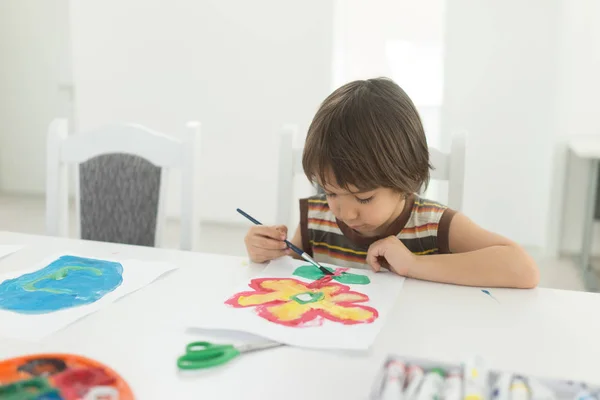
(119, 199)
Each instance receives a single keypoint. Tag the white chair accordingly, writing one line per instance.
(447, 167)
(290, 166)
(451, 167)
(112, 155)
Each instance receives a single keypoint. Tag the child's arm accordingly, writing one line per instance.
(480, 258)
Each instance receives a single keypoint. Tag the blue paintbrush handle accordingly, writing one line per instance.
(252, 219)
(290, 245)
(257, 222)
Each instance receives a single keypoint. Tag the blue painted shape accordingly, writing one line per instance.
(67, 282)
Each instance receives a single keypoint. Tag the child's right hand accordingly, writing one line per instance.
(266, 243)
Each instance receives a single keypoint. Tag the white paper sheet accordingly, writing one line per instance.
(27, 326)
(6, 249)
(320, 332)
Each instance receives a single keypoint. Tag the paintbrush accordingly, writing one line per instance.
(291, 246)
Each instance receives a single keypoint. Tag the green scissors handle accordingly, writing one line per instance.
(200, 355)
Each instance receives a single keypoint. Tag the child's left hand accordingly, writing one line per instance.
(394, 252)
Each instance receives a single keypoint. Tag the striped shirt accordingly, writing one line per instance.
(422, 226)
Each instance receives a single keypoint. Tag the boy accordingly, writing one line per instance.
(367, 149)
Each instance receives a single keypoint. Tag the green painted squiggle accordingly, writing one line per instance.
(313, 273)
(57, 276)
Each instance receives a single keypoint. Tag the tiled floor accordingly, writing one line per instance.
(26, 214)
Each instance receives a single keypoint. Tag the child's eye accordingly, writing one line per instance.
(365, 201)
(330, 194)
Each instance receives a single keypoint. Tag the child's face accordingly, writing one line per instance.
(369, 213)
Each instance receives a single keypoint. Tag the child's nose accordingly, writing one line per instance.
(348, 214)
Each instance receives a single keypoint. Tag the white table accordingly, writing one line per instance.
(588, 148)
(543, 332)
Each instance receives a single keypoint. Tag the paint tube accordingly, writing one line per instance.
(394, 381)
(453, 386)
(432, 385)
(519, 389)
(501, 389)
(377, 388)
(414, 380)
(585, 394)
(539, 391)
(475, 379)
(582, 391)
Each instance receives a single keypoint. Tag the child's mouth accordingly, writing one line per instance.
(357, 227)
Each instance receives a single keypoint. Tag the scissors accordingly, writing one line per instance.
(200, 355)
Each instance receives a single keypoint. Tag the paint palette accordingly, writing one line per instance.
(60, 377)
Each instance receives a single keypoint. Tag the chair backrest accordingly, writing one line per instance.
(290, 165)
(124, 172)
(451, 167)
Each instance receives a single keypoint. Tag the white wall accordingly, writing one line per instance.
(580, 85)
(34, 64)
(400, 39)
(242, 68)
(363, 29)
(500, 85)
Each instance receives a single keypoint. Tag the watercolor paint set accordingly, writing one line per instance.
(414, 379)
(60, 377)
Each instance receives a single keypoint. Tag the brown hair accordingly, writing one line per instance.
(368, 134)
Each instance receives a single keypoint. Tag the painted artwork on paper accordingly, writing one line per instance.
(291, 302)
(68, 281)
(59, 290)
(295, 304)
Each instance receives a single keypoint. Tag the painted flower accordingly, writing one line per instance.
(291, 302)
(339, 274)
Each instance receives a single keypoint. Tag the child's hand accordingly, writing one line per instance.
(265, 243)
(390, 253)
